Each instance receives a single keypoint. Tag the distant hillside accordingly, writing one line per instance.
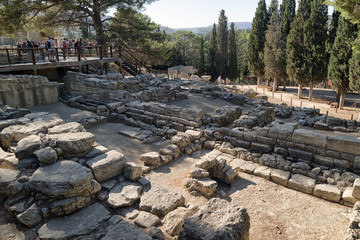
(206, 30)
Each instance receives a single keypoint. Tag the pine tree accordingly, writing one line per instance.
(315, 36)
(212, 55)
(354, 72)
(257, 41)
(295, 57)
(222, 45)
(242, 62)
(338, 69)
(233, 70)
(274, 55)
(332, 30)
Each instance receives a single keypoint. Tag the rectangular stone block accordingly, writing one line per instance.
(265, 140)
(261, 147)
(279, 176)
(356, 189)
(348, 198)
(309, 138)
(302, 183)
(325, 161)
(250, 136)
(263, 172)
(327, 192)
(300, 154)
(342, 163)
(249, 167)
(344, 144)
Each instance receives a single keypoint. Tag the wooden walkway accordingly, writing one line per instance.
(21, 59)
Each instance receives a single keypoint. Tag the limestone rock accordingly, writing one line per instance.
(344, 144)
(73, 144)
(26, 147)
(263, 171)
(107, 165)
(356, 188)
(308, 137)
(80, 223)
(31, 217)
(216, 220)
(6, 177)
(71, 127)
(132, 171)
(46, 155)
(327, 192)
(348, 198)
(69, 205)
(160, 201)
(126, 194)
(151, 159)
(146, 220)
(125, 231)
(198, 173)
(302, 183)
(182, 140)
(157, 234)
(62, 179)
(279, 176)
(205, 186)
(174, 220)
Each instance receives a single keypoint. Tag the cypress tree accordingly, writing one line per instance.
(354, 72)
(222, 45)
(202, 55)
(295, 57)
(212, 54)
(338, 69)
(233, 70)
(315, 36)
(332, 30)
(242, 61)
(274, 55)
(257, 41)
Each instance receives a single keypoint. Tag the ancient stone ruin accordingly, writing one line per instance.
(58, 182)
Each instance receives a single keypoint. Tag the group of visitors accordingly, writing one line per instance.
(25, 46)
(221, 81)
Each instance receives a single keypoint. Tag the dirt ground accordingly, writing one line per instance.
(275, 212)
(321, 99)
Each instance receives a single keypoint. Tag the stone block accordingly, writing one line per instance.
(349, 199)
(302, 183)
(308, 137)
(279, 176)
(344, 144)
(342, 163)
(327, 192)
(249, 167)
(132, 171)
(307, 156)
(205, 186)
(249, 136)
(108, 165)
(263, 171)
(27, 146)
(325, 161)
(261, 147)
(356, 188)
(151, 159)
(356, 163)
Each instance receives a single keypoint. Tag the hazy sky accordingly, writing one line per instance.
(200, 13)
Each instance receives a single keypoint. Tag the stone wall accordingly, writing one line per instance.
(27, 90)
(114, 87)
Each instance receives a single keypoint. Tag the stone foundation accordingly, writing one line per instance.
(27, 90)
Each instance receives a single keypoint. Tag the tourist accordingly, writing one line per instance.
(65, 49)
(51, 49)
(82, 45)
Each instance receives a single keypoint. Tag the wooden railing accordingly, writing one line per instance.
(13, 56)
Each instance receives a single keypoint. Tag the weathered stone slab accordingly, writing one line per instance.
(280, 177)
(125, 231)
(151, 159)
(249, 167)
(174, 220)
(74, 144)
(309, 138)
(348, 198)
(216, 220)
(31, 217)
(300, 154)
(71, 127)
(263, 171)
(107, 165)
(26, 147)
(264, 148)
(327, 192)
(356, 188)
(205, 186)
(124, 195)
(302, 183)
(132, 171)
(325, 161)
(146, 220)
(160, 201)
(63, 179)
(6, 177)
(80, 223)
(46, 155)
(344, 144)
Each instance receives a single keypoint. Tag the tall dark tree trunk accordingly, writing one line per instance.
(300, 91)
(337, 97)
(98, 25)
(311, 92)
